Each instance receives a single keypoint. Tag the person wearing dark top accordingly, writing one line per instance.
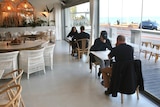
(83, 34)
(100, 44)
(73, 32)
(72, 35)
(121, 53)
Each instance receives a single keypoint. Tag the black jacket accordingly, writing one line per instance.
(126, 76)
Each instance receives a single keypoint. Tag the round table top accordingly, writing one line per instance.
(6, 46)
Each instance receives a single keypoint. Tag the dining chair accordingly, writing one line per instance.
(9, 98)
(16, 80)
(96, 65)
(45, 43)
(106, 74)
(48, 55)
(32, 61)
(125, 78)
(9, 61)
(82, 47)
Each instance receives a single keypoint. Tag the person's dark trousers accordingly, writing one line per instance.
(73, 47)
(91, 60)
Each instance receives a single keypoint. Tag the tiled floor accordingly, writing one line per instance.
(71, 85)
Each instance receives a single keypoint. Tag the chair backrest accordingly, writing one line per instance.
(9, 57)
(31, 53)
(16, 78)
(49, 49)
(13, 98)
(126, 76)
(32, 58)
(82, 44)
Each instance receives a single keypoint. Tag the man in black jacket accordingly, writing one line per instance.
(124, 74)
(100, 44)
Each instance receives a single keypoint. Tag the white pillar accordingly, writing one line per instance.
(58, 24)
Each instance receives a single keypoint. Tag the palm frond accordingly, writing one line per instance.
(47, 9)
(51, 10)
(44, 15)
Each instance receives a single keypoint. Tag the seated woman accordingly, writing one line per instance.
(72, 34)
(100, 44)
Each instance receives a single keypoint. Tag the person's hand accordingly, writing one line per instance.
(104, 41)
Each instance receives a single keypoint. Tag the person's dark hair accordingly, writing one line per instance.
(121, 38)
(72, 30)
(104, 34)
(82, 28)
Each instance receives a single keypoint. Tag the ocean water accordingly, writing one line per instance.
(128, 20)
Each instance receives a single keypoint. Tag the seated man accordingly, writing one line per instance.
(122, 52)
(100, 44)
(81, 35)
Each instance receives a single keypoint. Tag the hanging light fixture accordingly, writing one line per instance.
(15, 1)
(25, 6)
(8, 6)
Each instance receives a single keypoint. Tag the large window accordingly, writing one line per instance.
(77, 16)
(122, 16)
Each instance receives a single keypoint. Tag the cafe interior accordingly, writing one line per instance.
(36, 65)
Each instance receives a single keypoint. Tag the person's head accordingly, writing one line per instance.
(74, 29)
(120, 40)
(82, 28)
(103, 36)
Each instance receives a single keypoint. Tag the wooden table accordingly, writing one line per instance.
(156, 45)
(1, 73)
(146, 44)
(23, 46)
(155, 52)
(103, 56)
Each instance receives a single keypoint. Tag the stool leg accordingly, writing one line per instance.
(121, 98)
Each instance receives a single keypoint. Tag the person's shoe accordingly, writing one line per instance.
(107, 92)
(102, 83)
(114, 94)
(99, 75)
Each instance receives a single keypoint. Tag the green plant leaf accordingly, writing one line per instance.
(47, 9)
(44, 15)
(51, 10)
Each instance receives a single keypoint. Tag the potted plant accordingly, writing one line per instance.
(46, 13)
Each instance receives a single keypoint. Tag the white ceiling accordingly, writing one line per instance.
(40, 4)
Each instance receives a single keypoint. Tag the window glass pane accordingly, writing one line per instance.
(150, 36)
(77, 16)
(123, 17)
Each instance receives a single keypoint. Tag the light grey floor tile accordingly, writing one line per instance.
(71, 84)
